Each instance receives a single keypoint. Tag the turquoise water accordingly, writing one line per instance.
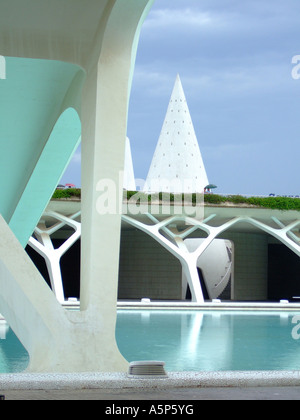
(210, 341)
(192, 340)
(13, 356)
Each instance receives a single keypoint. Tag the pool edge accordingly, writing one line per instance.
(253, 306)
(246, 379)
(179, 305)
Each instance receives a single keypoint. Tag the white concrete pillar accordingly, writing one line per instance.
(104, 124)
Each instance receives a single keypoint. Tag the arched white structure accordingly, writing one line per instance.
(87, 53)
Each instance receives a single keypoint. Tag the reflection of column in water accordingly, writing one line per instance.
(195, 330)
(3, 330)
(145, 317)
(284, 319)
(213, 347)
(221, 343)
(190, 334)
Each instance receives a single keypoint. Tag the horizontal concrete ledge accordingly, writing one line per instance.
(171, 305)
(29, 381)
(240, 306)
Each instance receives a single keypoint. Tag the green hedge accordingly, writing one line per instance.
(278, 203)
(67, 193)
(144, 197)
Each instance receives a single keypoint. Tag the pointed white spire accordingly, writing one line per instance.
(177, 165)
(129, 180)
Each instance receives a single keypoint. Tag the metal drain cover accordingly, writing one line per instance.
(147, 370)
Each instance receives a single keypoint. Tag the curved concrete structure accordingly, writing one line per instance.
(39, 125)
(65, 59)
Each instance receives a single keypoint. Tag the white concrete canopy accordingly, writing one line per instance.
(194, 242)
(172, 231)
(177, 165)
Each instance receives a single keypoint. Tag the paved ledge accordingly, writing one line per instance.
(178, 305)
(30, 381)
(239, 306)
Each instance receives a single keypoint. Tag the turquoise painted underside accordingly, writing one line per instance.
(39, 132)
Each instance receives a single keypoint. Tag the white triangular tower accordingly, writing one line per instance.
(129, 180)
(177, 165)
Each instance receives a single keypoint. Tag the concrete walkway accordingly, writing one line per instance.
(177, 394)
(195, 386)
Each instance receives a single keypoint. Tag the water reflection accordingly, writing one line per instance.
(209, 341)
(13, 356)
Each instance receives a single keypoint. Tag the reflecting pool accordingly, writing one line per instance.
(193, 340)
(209, 340)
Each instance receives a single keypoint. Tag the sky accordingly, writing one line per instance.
(234, 58)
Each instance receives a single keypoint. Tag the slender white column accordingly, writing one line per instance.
(104, 123)
(44, 246)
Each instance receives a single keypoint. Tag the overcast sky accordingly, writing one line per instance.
(234, 58)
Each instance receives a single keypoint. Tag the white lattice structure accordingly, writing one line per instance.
(172, 231)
